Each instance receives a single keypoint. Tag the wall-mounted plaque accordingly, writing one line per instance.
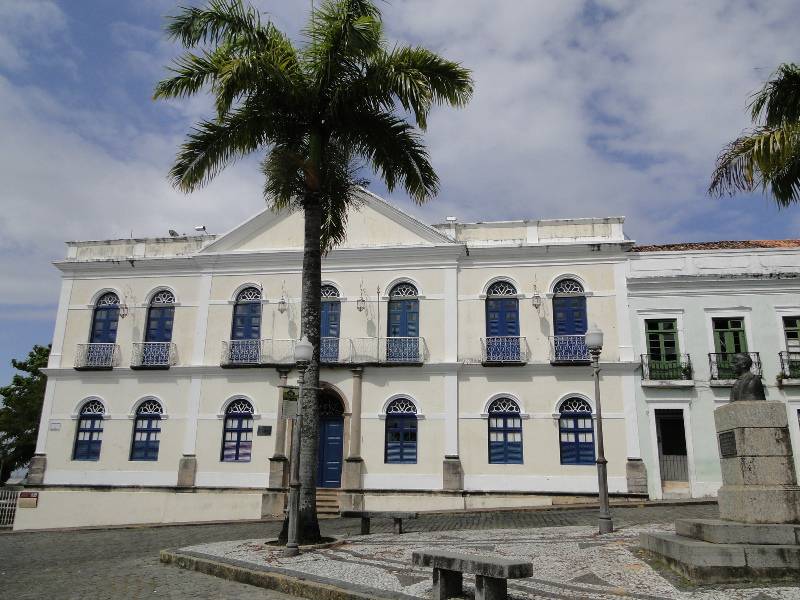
(264, 430)
(727, 444)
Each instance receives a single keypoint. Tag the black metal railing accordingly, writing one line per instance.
(790, 364)
(720, 364)
(672, 369)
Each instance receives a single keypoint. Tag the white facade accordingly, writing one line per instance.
(702, 288)
(457, 367)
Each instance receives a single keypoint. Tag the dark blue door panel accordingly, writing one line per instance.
(569, 315)
(403, 323)
(502, 321)
(329, 468)
(329, 331)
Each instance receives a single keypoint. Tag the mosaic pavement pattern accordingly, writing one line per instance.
(568, 563)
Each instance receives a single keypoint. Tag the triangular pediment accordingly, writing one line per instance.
(372, 223)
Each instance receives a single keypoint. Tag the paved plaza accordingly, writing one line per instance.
(124, 563)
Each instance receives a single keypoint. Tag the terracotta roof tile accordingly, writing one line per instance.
(721, 245)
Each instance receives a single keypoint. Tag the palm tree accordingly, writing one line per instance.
(320, 114)
(768, 156)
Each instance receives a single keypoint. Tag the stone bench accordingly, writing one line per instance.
(491, 574)
(365, 517)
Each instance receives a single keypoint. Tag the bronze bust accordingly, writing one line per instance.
(748, 385)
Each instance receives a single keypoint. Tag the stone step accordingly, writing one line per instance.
(704, 562)
(718, 531)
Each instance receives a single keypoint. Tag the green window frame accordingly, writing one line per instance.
(663, 349)
(791, 330)
(729, 338)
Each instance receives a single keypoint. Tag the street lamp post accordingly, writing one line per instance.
(594, 342)
(302, 356)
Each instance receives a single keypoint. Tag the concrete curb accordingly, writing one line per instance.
(276, 579)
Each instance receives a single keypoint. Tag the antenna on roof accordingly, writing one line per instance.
(200, 228)
(173, 233)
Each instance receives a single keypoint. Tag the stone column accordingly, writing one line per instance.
(353, 498)
(452, 472)
(278, 463)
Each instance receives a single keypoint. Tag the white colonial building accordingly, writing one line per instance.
(455, 373)
(692, 307)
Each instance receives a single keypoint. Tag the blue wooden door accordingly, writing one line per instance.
(502, 329)
(569, 316)
(104, 324)
(159, 329)
(246, 321)
(329, 331)
(329, 465)
(403, 324)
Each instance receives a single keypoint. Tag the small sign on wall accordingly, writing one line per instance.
(55, 425)
(264, 430)
(727, 444)
(28, 499)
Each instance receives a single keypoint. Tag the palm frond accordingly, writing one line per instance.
(220, 19)
(393, 148)
(779, 100)
(764, 157)
(192, 73)
(212, 145)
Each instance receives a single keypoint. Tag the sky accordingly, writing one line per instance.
(581, 108)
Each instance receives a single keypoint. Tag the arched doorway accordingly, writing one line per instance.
(331, 440)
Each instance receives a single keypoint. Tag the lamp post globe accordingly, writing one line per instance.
(594, 338)
(303, 350)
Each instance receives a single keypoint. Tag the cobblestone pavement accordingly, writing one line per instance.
(123, 563)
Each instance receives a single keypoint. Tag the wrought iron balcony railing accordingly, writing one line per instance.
(155, 355)
(97, 356)
(257, 352)
(721, 368)
(656, 368)
(392, 350)
(332, 350)
(790, 365)
(504, 350)
(569, 349)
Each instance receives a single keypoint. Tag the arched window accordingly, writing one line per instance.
(576, 431)
(502, 323)
(89, 435)
(402, 344)
(329, 324)
(237, 436)
(147, 431)
(401, 432)
(103, 337)
(245, 346)
(569, 322)
(505, 432)
(157, 337)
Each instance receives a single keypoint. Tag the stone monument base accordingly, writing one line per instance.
(717, 551)
(758, 534)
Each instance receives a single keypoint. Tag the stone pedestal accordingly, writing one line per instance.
(636, 476)
(758, 534)
(351, 473)
(278, 472)
(36, 470)
(452, 474)
(187, 470)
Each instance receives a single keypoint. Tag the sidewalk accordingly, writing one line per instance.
(569, 562)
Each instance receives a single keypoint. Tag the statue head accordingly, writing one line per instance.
(741, 363)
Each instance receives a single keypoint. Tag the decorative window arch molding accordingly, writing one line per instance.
(397, 281)
(565, 397)
(244, 286)
(485, 291)
(234, 398)
(148, 299)
(142, 400)
(324, 385)
(390, 399)
(554, 281)
(487, 404)
(76, 413)
(102, 292)
(338, 288)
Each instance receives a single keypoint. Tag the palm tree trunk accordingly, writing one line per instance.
(308, 530)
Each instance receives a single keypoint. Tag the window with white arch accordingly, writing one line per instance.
(570, 322)
(576, 432)
(505, 432)
(329, 321)
(401, 432)
(147, 430)
(237, 435)
(89, 433)
(502, 323)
